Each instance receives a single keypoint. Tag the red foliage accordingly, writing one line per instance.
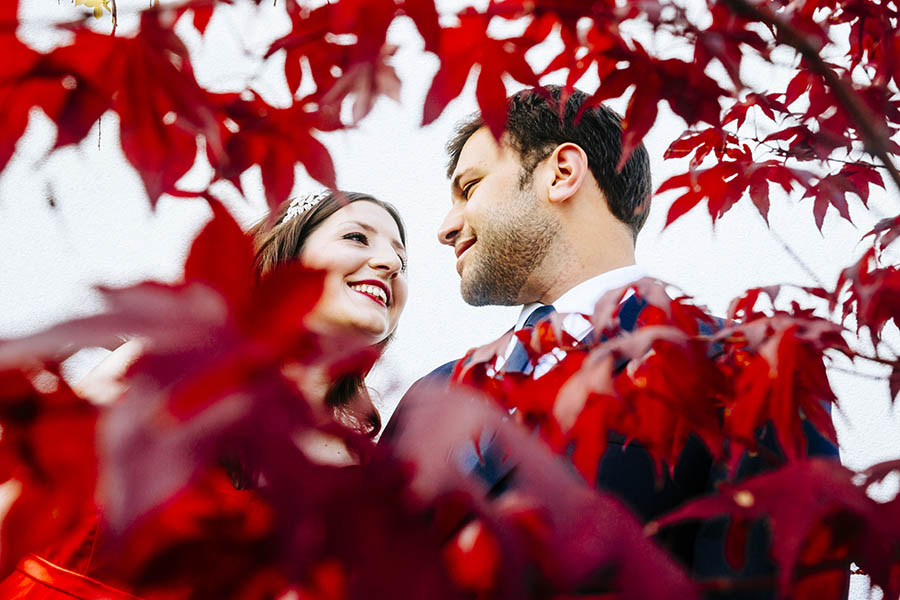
(818, 518)
(408, 524)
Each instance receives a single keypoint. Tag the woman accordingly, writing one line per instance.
(359, 241)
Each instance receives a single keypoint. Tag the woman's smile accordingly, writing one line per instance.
(372, 289)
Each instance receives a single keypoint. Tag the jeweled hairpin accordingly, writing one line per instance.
(303, 203)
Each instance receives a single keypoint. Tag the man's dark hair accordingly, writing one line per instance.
(536, 126)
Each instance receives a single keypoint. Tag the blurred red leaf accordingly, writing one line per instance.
(549, 525)
(806, 503)
(47, 449)
(15, 97)
(148, 80)
(473, 558)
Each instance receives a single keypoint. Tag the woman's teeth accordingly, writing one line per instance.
(371, 290)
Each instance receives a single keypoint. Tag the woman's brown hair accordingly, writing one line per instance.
(282, 242)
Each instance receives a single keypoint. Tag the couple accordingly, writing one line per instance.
(541, 219)
(544, 219)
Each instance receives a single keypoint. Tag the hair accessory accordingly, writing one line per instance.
(303, 203)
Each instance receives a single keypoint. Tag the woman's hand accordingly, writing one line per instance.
(104, 383)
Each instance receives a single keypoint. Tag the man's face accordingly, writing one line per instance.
(501, 232)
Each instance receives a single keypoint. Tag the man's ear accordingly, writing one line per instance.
(569, 167)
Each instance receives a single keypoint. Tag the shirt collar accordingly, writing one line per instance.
(583, 297)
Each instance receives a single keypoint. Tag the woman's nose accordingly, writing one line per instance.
(387, 260)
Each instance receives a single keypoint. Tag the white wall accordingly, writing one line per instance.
(102, 230)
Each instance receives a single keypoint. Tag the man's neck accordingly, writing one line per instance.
(570, 275)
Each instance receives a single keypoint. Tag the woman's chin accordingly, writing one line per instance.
(357, 332)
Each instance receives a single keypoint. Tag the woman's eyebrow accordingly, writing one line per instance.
(397, 244)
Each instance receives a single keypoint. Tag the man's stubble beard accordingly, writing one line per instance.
(510, 250)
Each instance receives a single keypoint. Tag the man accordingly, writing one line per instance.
(544, 219)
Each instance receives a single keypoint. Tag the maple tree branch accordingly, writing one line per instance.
(721, 584)
(793, 254)
(845, 94)
(876, 359)
(786, 153)
(859, 374)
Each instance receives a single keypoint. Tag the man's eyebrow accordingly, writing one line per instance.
(459, 177)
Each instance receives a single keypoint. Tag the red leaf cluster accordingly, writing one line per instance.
(212, 377)
(680, 380)
(874, 293)
(819, 519)
(723, 185)
(467, 45)
(549, 532)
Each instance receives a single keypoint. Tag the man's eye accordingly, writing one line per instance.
(357, 237)
(468, 189)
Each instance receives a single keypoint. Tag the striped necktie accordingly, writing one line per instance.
(518, 358)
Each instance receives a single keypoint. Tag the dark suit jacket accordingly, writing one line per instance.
(628, 472)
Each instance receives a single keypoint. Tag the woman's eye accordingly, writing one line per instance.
(357, 237)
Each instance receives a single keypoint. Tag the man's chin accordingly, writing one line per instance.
(484, 293)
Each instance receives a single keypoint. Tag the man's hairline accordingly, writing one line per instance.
(505, 141)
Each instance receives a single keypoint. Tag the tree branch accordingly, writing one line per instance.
(848, 98)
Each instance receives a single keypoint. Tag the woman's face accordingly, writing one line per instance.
(365, 286)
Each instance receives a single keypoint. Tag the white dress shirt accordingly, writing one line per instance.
(578, 300)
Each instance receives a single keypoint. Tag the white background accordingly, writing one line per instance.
(102, 230)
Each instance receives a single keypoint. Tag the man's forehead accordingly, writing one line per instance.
(480, 151)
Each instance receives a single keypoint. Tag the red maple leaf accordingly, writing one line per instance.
(832, 190)
(341, 68)
(712, 139)
(275, 139)
(148, 80)
(466, 45)
(691, 94)
(768, 104)
(724, 184)
(874, 294)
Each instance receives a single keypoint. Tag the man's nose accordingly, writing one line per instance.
(452, 225)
